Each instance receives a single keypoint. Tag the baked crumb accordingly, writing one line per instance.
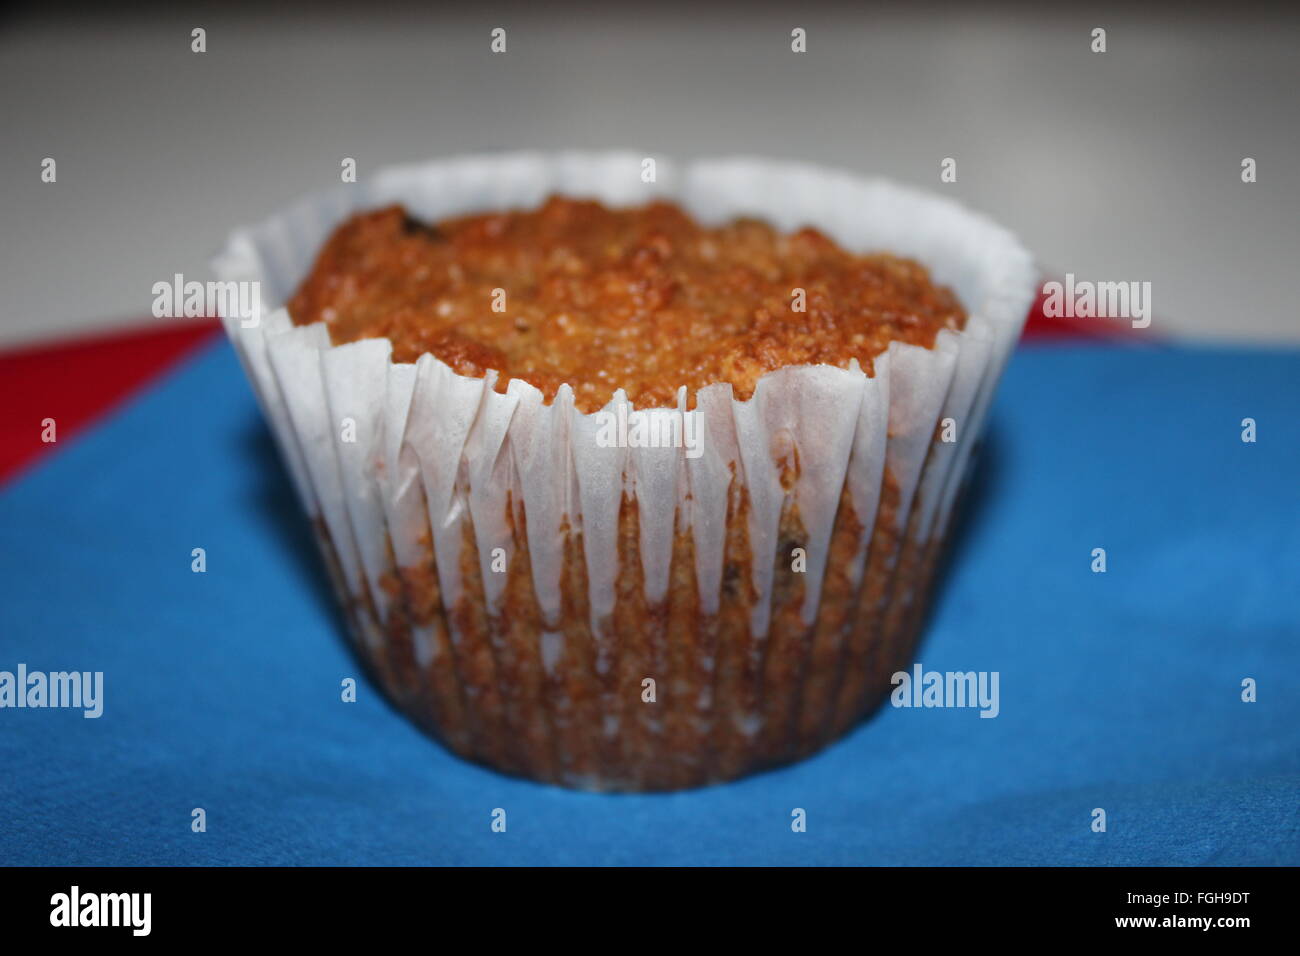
(642, 298)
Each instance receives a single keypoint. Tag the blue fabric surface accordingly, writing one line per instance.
(1118, 690)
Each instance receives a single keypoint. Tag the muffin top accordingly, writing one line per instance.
(644, 299)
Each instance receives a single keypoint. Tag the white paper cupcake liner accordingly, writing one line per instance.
(434, 449)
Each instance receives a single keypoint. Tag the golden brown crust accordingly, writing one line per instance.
(643, 299)
(646, 300)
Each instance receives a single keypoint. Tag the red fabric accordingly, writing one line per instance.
(1040, 328)
(76, 383)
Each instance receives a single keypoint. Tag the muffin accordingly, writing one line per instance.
(470, 382)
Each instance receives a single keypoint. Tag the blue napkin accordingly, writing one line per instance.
(1119, 690)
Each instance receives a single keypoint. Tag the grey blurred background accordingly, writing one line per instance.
(1116, 166)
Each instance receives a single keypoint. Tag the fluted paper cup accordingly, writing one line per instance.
(634, 618)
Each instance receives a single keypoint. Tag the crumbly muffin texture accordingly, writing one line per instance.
(647, 300)
(644, 299)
